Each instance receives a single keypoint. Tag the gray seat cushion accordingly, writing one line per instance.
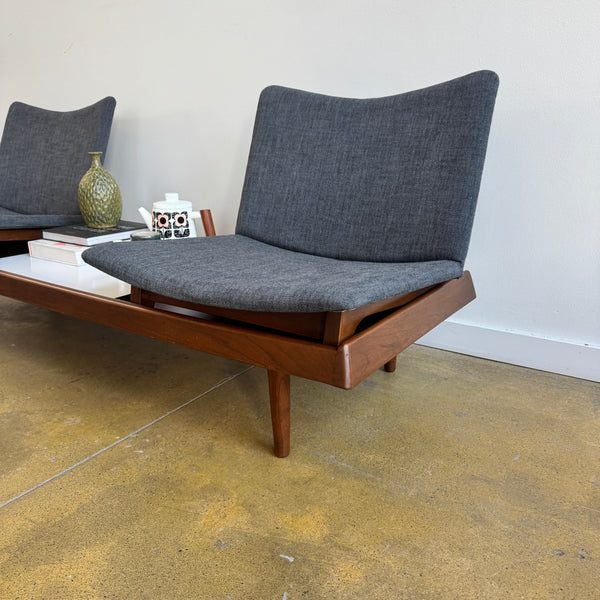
(10, 219)
(238, 272)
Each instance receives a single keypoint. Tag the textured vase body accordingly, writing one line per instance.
(99, 196)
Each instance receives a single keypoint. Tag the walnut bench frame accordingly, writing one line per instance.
(338, 348)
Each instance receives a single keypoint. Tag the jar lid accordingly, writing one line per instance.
(137, 236)
(171, 203)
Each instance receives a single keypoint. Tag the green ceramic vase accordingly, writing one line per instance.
(99, 196)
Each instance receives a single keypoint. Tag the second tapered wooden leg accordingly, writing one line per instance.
(390, 366)
(279, 393)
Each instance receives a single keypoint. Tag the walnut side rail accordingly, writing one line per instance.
(342, 358)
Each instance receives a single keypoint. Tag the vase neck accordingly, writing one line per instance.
(95, 158)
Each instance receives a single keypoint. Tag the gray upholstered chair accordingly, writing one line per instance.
(43, 155)
(355, 217)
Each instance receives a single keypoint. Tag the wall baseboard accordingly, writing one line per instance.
(516, 348)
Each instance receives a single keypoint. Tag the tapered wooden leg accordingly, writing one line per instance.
(279, 393)
(390, 366)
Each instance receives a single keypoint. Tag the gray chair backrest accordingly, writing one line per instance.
(44, 155)
(391, 179)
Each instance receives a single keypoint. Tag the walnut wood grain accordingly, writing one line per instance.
(344, 365)
(270, 350)
(309, 325)
(339, 326)
(13, 235)
(384, 340)
(207, 223)
(279, 395)
(390, 365)
(332, 328)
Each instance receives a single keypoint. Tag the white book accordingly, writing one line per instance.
(69, 254)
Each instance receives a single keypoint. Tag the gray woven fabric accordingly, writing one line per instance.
(43, 155)
(239, 272)
(13, 220)
(388, 179)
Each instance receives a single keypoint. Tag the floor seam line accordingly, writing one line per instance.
(127, 437)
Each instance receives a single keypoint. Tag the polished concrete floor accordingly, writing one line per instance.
(134, 469)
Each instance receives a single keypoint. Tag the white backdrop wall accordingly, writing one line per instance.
(187, 73)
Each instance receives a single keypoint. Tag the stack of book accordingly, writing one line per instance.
(66, 244)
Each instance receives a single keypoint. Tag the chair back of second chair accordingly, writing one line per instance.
(44, 155)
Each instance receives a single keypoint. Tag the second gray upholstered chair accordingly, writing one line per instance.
(43, 156)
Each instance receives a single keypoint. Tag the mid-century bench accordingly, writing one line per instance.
(350, 243)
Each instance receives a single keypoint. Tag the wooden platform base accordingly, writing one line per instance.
(340, 348)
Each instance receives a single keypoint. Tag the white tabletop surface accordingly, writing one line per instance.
(84, 277)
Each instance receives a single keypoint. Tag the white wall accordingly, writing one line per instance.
(187, 73)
